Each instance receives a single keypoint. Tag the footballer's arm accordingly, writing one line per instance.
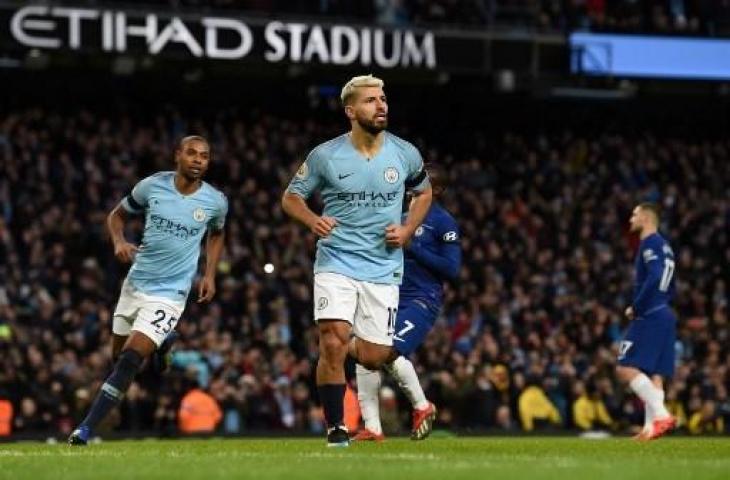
(213, 249)
(447, 263)
(418, 209)
(123, 250)
(399, 235)
(295, 206)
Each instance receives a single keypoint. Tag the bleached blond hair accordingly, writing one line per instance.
(357, 82)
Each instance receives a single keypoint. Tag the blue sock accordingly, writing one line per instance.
(114, 387)
(332, 397)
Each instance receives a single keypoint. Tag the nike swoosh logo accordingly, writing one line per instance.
(340, 176)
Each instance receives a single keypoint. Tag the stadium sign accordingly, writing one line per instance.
(220, 38)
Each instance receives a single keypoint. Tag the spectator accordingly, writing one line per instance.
(706, 420)
(29, 419)
(6, 416)
(589, 411)
(199, 412)
(351, 409)
(503, 419)
(389, 411)
(675, 407)
(536, 409)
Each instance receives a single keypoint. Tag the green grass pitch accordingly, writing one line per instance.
(395, 459)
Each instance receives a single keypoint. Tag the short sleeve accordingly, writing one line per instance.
(309, 176)
(416, 179)
(138, 199)
(219, 220)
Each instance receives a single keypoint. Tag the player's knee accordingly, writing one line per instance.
(369, 363)
(373, 359)
(379, 362)
(332, 347)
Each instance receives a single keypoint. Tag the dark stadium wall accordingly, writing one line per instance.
(463, 106)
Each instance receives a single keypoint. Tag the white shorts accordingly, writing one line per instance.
(370, 308)
(155, 317)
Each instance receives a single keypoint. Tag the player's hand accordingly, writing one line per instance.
(206, 289)
(629, 312)
(397, 235)
(125, 251)
(323, 226)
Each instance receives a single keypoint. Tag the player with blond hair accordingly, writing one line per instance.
(362, 176)
(646, 354)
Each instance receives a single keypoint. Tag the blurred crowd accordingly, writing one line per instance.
(694, 17)
(664, 17)
(528, 336)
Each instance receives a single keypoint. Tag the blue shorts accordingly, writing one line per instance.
(414, 320)
(649, 343)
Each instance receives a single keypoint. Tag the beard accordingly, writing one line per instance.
(372, 126)
(191, 176)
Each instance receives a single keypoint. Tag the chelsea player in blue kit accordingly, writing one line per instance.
(362, 176)
(432, 257)
(179, 209)
(646, 353)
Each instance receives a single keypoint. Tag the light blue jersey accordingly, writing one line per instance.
(364, 196)
(174, 226)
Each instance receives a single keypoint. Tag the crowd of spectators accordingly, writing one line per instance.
(693, 17)
(528, 335)
(664, 17)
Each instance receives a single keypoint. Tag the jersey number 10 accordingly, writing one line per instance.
(666, 275)
(392, 313)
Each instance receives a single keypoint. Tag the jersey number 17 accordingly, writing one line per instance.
(666, 275)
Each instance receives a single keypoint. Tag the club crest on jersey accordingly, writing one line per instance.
(419, 231)
(649, 255)
(199, 215)
(391, 175)
(303, 170)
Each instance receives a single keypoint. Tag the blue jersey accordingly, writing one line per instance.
(649, 341)
(654, 265)
(433, 256)
(174, 227)
(364, 196)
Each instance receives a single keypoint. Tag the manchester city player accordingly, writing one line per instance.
(179, 209)
(647, 352)
(362, 176)
(432, 257)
